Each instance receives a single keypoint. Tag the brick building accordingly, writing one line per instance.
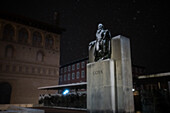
(29, 58)
(75, 72)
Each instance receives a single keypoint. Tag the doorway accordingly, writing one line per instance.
(5, 93)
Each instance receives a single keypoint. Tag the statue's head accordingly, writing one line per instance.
(100, 26)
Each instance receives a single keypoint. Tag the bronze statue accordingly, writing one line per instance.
(102, 44)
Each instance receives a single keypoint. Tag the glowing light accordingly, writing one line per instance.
(65, 92)
(133, 89)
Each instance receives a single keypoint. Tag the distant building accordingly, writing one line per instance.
(75, 72)
(159, 81)
(29, 58)
(153, 93)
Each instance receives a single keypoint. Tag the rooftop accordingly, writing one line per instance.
(31, 22)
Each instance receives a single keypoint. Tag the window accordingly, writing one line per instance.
(55, 71)
(44, 71)
(73, 67)
(78, 75)
(82, 74)
(8, 32)
(37, 39)
(68, 76)
(27, 69)
(23, 36)
(39, 70)
(40, 56)
(60, 78)
(49, 42)
(7, 67)
(61, 70)
(33, 70)
(9, 51)
(73, 76)
(20, 68)
(69, 68)
(49, 71)
(14, 68)
(64, 77)
(65, 69)
(78, 65)
(82, 64)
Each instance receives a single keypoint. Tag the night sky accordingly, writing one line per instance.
(145, 22)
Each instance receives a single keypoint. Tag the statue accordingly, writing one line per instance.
(102, 48)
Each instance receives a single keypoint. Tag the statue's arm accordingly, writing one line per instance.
(92, 43)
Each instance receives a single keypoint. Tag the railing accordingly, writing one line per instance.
(69, 100)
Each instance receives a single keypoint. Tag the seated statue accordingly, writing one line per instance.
(102, 44)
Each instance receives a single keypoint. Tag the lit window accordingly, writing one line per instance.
(69, 76)
(82, 64)
(69, 68)
(64, 77)
(78, 75)
(65, 69)
(78, 65)
(82, 74)
(73, 76)
(73, 67)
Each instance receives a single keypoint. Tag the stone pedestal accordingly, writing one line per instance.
(120, 52)
(109, 82)
(101, 87)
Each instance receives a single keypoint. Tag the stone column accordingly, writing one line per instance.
(101, 87)
(120, 52)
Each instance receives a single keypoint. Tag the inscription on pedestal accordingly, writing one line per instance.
(98, 72)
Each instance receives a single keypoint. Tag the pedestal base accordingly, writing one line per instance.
(101, 87)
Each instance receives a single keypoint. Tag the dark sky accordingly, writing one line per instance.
(145, 22)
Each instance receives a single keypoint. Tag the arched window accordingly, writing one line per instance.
(8, 32)
(37, 39)
(9, 51)
(40, 56)
(23, 36)
(49, 42)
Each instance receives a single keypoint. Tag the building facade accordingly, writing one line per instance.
(153, 93)
(29, 58)
(75, 72)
